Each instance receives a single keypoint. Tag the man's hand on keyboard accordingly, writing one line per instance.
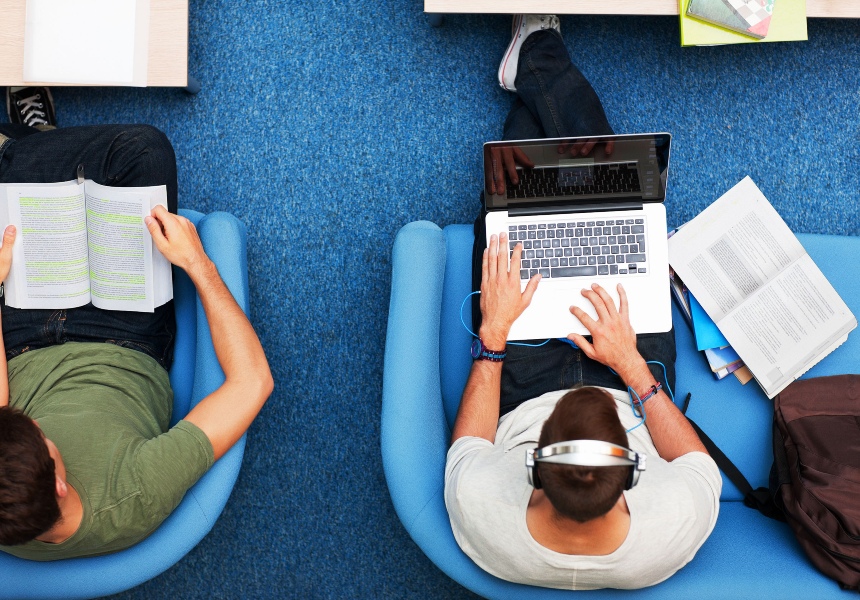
(613, 341)
(585, 147)
(502, 160)
(501, 300)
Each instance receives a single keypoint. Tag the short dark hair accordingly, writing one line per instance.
(576, 492)
(28, 501)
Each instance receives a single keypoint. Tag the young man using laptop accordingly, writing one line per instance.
(546, 485)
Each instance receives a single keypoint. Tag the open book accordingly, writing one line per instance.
(80, 243)
(754, 279)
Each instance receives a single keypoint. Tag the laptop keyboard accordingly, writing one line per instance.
(580, 248)
(550, 182)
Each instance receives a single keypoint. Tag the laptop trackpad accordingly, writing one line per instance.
(549, 316)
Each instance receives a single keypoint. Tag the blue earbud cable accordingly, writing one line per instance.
(473, 334)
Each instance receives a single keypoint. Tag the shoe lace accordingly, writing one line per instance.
(32, 112)
(550, 22)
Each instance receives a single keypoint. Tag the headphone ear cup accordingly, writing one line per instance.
(631, 478)
(536, 483)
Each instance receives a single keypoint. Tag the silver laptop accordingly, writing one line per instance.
(587, 210)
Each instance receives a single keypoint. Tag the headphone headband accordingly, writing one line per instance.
(585, 453)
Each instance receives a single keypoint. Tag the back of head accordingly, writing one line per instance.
(28, 502)
(576, 492)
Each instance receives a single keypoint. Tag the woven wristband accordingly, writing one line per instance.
(654, 390)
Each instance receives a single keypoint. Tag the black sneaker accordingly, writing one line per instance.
(33, 106)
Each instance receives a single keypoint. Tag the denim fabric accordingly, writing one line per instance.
(554, 99)
(116, 155)
(530, 372)
(553, 96)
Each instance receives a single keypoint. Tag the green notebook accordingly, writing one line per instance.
(787, 24)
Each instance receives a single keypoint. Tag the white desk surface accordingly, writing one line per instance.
(814, 8)
(168, 42)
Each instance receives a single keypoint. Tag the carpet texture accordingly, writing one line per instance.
(325, 127)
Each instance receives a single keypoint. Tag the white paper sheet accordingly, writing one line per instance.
(755, 280)
(95, 42)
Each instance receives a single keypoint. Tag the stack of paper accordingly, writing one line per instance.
(758, 284)
(89, 42)
(716, 22)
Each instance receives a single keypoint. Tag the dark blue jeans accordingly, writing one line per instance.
(554, 99)
(116, 155)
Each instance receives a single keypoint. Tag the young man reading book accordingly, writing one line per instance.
(88, 462)
(531, 492)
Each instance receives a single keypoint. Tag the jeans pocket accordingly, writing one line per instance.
(10, 354)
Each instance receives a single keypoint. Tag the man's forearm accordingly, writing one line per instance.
(501, 303)
(227, 413)
(236, 344)
(672, 434)
(478, 415)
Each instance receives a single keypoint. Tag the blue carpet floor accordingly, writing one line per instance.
(326, 127)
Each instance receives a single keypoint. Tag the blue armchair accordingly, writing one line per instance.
(195, 374)
(427, 362)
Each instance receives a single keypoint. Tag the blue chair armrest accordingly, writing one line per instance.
(414, 432)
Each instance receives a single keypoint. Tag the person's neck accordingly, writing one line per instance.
(71, 515)
(597, 537)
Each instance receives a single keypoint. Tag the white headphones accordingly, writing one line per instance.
(585, 453)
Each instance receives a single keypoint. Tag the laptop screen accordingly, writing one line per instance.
(573, 171)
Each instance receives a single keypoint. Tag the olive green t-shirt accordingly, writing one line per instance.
(108, 409)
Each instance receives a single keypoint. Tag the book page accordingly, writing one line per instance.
(49, 268)
(732, 248)
(789, 326)
(120, 248)
(754, 279)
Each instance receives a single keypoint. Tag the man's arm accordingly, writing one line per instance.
(5, 265)
(501, 304)
(613, 343)
(225, 414)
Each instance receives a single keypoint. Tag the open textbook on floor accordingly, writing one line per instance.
(761, 288)
(80, 243)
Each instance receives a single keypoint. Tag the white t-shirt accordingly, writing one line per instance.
(673, 508)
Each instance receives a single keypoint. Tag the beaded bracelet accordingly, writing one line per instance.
(653, 392)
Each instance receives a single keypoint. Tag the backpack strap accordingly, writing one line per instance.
(760, 499)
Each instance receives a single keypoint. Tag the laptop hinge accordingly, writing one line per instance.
(554, 210)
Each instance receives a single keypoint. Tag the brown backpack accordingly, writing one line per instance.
(815, 479)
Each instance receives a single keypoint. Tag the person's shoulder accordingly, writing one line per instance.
(673, 510)
(480, 474)
(678, 498)
(462, 456)
(703, 466)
